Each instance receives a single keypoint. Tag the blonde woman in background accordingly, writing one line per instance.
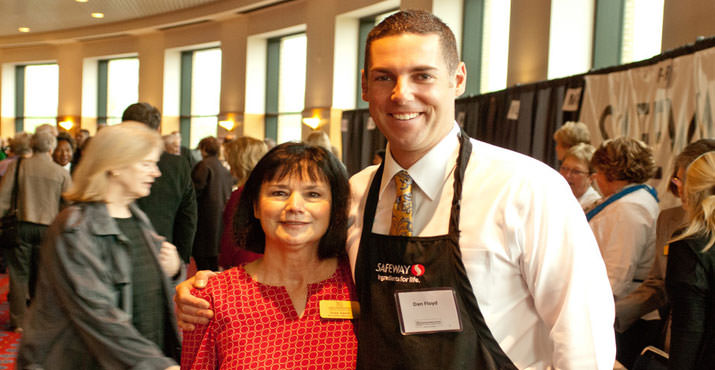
(103, 297)
(242, 154)
(568, 135)
(576, 169)
(690, 276)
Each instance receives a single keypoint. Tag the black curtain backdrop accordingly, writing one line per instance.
(483, 117)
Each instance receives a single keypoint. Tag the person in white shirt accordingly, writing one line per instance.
(509, 256)
(624, 222)
(576, 169)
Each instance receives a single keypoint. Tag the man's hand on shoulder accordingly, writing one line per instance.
(191, 310)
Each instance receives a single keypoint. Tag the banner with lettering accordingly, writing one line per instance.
(667, 105)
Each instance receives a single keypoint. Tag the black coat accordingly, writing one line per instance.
(213, 183)
(690, 282)
(171, 205)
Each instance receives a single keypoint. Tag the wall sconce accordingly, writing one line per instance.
(316, 117)
(66, 124)
(312, 122)
(228, 124)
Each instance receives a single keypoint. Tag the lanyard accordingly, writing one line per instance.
(618, 196)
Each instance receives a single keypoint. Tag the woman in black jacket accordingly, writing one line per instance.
(690, 277)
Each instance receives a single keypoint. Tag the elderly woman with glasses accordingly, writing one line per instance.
(576, 169)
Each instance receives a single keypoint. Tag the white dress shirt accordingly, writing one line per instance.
(625, 231)
(530, 256)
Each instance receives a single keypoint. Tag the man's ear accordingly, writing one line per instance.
(460, 79)
(363, 84)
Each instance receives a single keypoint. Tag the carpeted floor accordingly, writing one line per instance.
(9, 341)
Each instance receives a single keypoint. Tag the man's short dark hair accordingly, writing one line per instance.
(144, 113)
(210, 145)
(418, 22)
(295, 159)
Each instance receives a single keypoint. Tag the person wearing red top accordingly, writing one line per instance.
(242, 155)
(275, 312)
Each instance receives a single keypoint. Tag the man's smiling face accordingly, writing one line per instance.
(411, 92)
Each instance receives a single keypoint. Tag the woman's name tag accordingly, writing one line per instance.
(333, 309)
(428, 311)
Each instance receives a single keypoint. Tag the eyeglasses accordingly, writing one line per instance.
(571, 171)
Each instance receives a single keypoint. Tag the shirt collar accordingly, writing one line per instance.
(435, 161)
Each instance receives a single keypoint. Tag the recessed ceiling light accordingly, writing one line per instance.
(97, 15)
(24, 29)
(81, 1)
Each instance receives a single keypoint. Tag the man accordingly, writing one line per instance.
(41, 183)
(81, 140)
(515, 279)
(171, 205)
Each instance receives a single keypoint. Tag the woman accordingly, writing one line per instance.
(568, 135)
(103, 297)
(272, 312)
(690, 277)
(242, 155)
(576, 169)
(624, 223)
(213, 183)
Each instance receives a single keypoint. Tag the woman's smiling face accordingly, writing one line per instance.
(294, 211)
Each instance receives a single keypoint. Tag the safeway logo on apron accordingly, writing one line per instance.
(399, 273)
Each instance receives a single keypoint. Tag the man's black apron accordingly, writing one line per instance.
(380, 342)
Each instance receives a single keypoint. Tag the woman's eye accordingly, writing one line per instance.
(278, 193)
(314, 194)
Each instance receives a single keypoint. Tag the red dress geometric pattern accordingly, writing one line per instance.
(256, 327)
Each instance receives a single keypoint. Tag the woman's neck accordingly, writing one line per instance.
(615, 186)
(280, 268)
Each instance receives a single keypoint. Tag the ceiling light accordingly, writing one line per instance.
(81, 1)
(97, 15)
(24, 29)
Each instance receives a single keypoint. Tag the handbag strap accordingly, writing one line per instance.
(13, 204)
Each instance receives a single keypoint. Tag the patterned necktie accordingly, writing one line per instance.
(402, 209)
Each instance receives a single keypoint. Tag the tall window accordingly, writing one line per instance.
(366, 24)
(495, 45)
(642, 29)
(485, 44)
(118, 88)
(200, 93)
(37, 88)
(285, 87)
(570, 37)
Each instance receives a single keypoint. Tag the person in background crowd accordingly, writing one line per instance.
(171, 204)
(624, 226)
(3, 149)
(41, 183)
(270, 312)
(104, 298)
(568, 135)
(172, 143)
(690, 277)
(62, 154)
(20, 146)
(576, 169)
(213, 183)
(81, 139)
(242, 155)
(541, 297)
(650, 295)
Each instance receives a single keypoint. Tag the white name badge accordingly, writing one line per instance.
(428, 311)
